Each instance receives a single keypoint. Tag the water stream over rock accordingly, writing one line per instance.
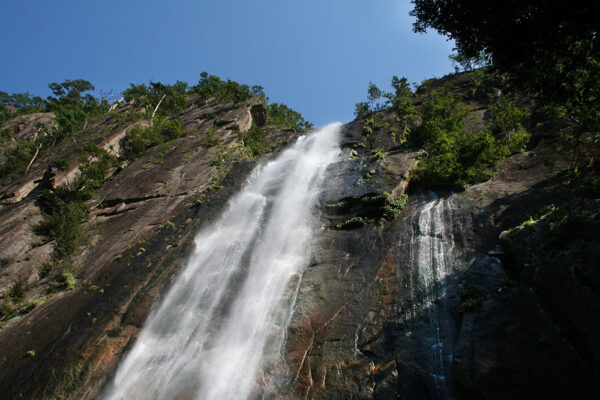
(427, 317)
(224, 320)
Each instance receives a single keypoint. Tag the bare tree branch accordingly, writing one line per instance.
(158, 105)
(34, 156)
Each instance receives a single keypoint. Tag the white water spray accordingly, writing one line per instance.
(208, 338)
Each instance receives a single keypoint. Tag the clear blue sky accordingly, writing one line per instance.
(317, 56)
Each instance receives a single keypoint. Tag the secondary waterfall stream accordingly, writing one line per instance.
(431, 263)
(224, 315)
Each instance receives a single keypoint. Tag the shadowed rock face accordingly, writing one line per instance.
(437, 303)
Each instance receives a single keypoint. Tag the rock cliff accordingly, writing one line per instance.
(410, 294)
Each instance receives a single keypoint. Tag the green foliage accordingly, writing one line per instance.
(394, 205)
(139, 139)
(18, 290)
(560, 229)
(547, 48)
(507, 116)
(471, 300)
(371, 209)
(456, 160)
(211, 138)
(62, 223)
(469, 63)
(364, 109)
(206, 191)
(17, 157)
(64, 208)
(368, 126)
(529, 223)
(282, 115)
(442, 113)
(591, 185)
(361, 110)
(15, 104)
(14, 303)
(352, 223)
(374, 94)
(45, 269)
(174, 97)
(166, 225)
(211, 86)
(401, 103)
(255, 141)
(94, 164)
(258, 91)
(71, 107)
(68, 279)
(5, 113)
(457, 157)
(61, 164)
(377, 154)
(507, 121)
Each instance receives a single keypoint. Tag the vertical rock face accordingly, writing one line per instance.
(259, 114)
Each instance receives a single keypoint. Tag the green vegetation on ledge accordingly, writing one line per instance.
(368, 209)
(456, 155)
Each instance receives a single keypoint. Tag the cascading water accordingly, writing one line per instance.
(208, 338)
(432, 263)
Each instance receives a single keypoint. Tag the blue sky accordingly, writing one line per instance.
(317, 56)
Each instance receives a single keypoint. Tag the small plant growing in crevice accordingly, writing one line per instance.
(529, 223)
(370, 209)
(68, 279)
(471, 300)
(166, 225)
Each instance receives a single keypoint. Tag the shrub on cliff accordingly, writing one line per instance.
(15, 104)
(139, 139)
(64, 208)
(223, 91)
(254, 140)
(172, 98)
(456, 156)
(282, 115)
(549, 50)
(72, 106)
(401, 102)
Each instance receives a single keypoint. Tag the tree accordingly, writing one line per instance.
(548, 47)
(229, 91)
(71, 107)
(258, 91)
(469, 63)
(361, 110)
(401, 102)
(282, 115)
(374, 95)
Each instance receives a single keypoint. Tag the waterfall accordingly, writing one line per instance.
(432, 263)
(225, 313)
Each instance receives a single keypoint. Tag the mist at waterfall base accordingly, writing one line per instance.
(221, 327)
